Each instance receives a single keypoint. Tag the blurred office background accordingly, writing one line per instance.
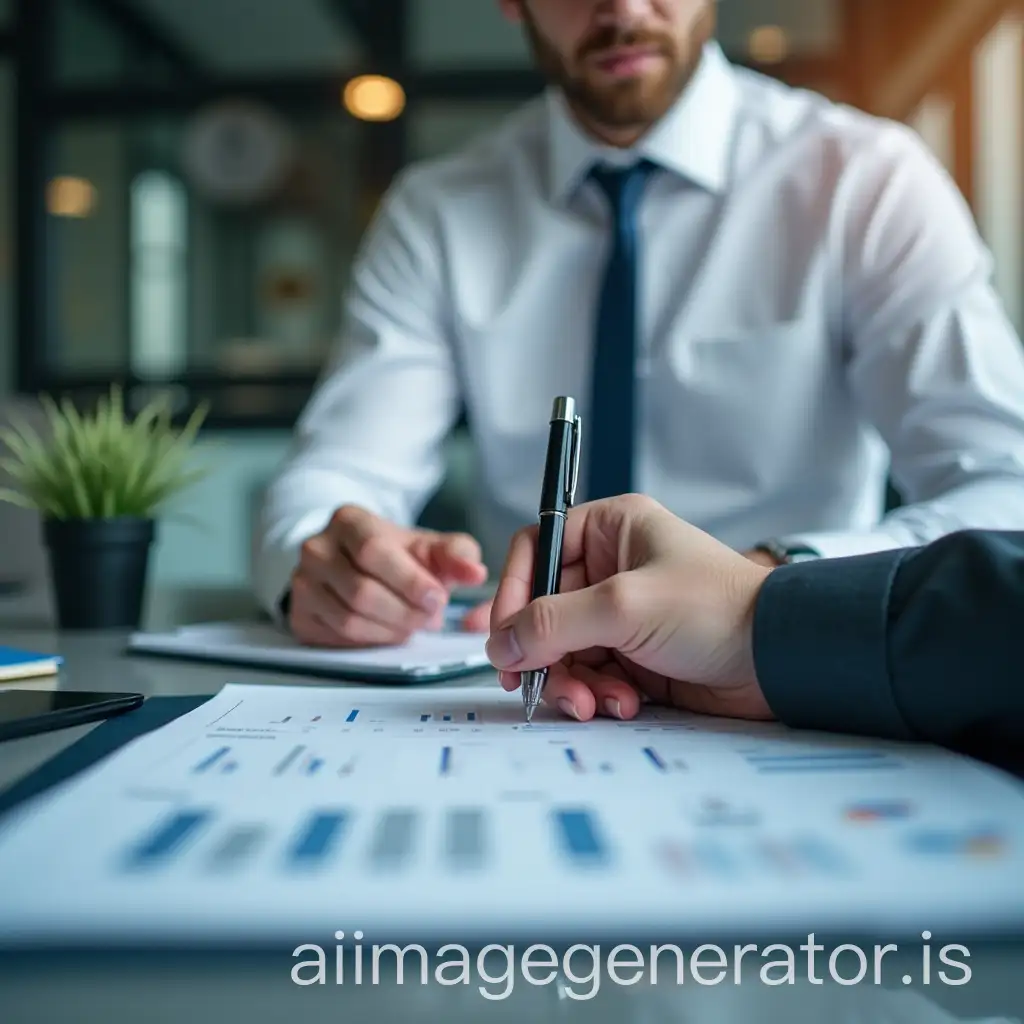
(183, 184)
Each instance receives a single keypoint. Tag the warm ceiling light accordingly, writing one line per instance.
(768, 44)
(374, 98)
(70, 197)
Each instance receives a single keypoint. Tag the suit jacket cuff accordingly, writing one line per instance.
(821, 645)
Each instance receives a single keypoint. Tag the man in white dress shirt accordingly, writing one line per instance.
(763, 303)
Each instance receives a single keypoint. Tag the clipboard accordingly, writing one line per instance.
(427, 657)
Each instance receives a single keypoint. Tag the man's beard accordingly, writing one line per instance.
(630, 103)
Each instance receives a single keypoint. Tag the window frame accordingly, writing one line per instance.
(45, 106)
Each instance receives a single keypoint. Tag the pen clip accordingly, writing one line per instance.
(574, 461)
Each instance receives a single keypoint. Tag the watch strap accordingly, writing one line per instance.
(788, 554)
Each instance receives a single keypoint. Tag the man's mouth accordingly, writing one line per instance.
(627, 61)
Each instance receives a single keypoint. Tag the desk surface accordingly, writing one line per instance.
(203, 988)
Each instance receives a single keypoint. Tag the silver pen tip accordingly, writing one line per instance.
(530, 708)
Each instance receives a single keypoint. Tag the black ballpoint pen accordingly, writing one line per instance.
(558, 493)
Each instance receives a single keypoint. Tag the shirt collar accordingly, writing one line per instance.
(693, 139)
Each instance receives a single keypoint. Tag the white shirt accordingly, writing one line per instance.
(814, 298)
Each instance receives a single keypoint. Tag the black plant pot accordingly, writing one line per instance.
(98, 568)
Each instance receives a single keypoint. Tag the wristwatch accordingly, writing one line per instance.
(788, 554)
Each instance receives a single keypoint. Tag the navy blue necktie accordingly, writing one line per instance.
(610, 430)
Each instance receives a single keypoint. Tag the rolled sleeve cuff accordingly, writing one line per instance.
(820, 645)
(842, 544)
(274, 580)
(275, 561)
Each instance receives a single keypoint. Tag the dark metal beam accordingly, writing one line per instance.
(146, 34)
(33, 68)
(307, 94)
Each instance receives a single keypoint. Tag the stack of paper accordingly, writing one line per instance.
(426, 657)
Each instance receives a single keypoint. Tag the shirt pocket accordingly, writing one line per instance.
(716, 360)
(737, 400)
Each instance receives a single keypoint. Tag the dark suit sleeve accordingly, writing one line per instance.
(925, 643)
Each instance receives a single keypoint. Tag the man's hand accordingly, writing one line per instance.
(650, 607)
(365, 582)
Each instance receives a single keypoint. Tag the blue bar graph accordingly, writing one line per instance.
(579, 837)
(446, 760)
(471, 716)
(314, 765)
(352, 715)
(424, 718)
(318, 838)
(446, 718)
(652, 755)
(210, 761)
(168, 839)
(573, 758)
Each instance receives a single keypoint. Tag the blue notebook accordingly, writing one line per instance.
(18, 664)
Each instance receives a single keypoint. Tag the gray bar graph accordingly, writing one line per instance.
(464, 838)
(393, 839)
(289, 758)
(240, 844)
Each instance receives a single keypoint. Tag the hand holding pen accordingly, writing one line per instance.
(558, 493)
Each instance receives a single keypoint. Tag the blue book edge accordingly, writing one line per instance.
(11, 657)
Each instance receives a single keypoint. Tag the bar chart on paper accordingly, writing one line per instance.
(415, 809)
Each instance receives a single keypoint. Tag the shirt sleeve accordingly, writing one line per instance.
(931, 356)
(373, 431)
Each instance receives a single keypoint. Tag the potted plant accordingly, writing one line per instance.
(99, 481)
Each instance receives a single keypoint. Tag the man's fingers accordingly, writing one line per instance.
(477, 619)
(375, 549)
(613, 696)
(372, 600)
(516, 582)
(548, 629)
(456, 559)
(319, 616)
(312, 601)
(515, 586)
(583, 693)
(357, 631)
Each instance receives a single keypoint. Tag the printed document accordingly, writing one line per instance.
(277, 813)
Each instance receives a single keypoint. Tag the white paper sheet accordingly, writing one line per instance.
(275, 812)
(427, 655)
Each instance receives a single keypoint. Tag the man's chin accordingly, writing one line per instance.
(625, 102)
